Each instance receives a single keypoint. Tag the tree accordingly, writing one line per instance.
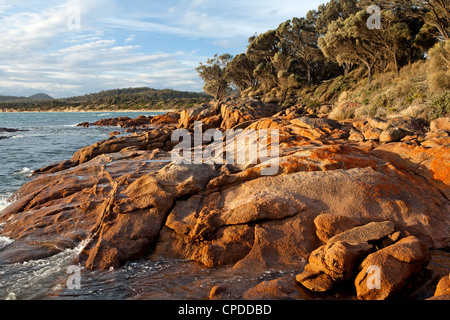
(214, 75)
(332, 11)
(240, 72)
(350, 42)
(262, 50)
(299, 40)
(392, 37)
(435, 13)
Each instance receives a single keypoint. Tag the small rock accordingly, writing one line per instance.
(83, 124)
(443, 287)
(329, 225)
(11, 130)
(315, 123)
(385, 272)
(218, 293)
(440, 124)
(370, 232)
(371, 133)
(281, 288)
(332, 262)
(356, 136)
(393, 134)
(316, 281)
(377, 123)
(359, 124)
(409, 124)
(436, 134)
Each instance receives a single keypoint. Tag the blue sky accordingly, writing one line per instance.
(69, 48)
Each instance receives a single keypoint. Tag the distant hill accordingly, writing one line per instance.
(40, 96)
(10, 98)
(35, 97)
(118, 99)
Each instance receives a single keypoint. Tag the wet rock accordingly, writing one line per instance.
(317, 281)
(219, 293)
(279, 289)
(385, 272)
(109, 122)
(11, 130)
(84, 124)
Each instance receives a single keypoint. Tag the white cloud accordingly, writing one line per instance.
(40, 52)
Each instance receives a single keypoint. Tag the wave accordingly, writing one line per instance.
(27, 172)
(34, 279)
(5, 241)
(4, 201)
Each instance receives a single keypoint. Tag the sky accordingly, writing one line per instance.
(76, 47)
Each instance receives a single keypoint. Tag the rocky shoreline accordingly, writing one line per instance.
(347, 196)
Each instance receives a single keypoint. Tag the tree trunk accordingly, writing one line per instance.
(347, 68)
(370, 76)
(309, 74)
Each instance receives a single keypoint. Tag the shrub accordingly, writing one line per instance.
(441, 105)
(439, 67)
(343, 112)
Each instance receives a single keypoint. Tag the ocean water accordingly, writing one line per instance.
(49, 138)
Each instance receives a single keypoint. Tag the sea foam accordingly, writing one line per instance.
(4, 201)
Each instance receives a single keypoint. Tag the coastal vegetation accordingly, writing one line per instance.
(333, 56)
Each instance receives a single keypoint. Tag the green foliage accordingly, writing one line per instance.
(439, 67)
(441, 105)
(214, 73)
